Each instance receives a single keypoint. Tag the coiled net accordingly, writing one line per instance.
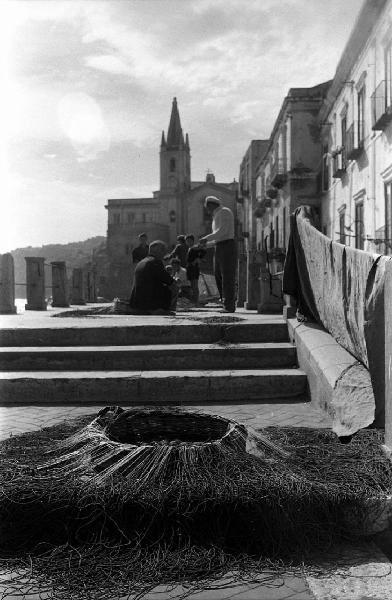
(137, 498)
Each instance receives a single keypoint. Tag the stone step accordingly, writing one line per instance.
(104, 334)
(154, 387)
(148, 358)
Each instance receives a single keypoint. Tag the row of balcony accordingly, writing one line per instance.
(352, 149)
(381, 107)
(381, 102)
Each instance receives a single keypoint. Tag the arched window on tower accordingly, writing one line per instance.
(172, 165)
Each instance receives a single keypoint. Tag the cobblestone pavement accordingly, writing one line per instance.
(16, 420)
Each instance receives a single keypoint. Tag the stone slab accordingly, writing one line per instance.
(90, 333)
(109, 387)
(328, 367)
(149, 357)
(367, 575)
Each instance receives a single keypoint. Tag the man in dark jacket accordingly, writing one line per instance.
(141, 250)
(154, 291)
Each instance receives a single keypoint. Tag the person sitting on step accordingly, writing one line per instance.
(154, 291)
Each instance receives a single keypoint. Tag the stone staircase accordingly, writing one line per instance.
(165, 363)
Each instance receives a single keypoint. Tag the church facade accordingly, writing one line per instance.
(176, 208)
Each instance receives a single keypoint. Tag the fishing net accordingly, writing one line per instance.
(135, 498)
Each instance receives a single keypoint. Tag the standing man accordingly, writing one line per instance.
(225, 260)
(141, 250)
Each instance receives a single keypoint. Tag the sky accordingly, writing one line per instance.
(89, 87)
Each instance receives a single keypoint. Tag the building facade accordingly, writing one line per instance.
(248, 283)
(176, 208)
(288, 175)
(356, 120)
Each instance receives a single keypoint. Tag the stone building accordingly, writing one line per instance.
(176, 208)
(288, 173)
(247, 231)
(356, 120)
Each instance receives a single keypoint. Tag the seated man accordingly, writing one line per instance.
(154, 290)
(180, 277)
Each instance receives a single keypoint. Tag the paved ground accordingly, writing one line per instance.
(370, 579)
(34, 319)
(14, 420)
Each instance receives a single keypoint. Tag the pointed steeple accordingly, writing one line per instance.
(175, 157)
(174, 134)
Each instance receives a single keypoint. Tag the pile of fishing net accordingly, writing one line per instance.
(113, 507)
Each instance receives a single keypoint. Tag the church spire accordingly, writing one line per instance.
(174, 135)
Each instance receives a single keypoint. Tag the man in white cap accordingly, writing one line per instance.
(222, 237)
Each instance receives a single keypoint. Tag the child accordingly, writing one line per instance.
(194, 256)
(180, 277)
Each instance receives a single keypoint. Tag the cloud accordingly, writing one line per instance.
(91, 85)
(109, 63)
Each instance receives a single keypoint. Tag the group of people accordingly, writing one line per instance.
(156, 287)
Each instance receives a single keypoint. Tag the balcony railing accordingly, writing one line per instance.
(381, 107)
(279, 173)
(272, 192)
(266, 202)
(239, 197)
(260, 210)
(338, 164)
(354, 140)
(244, 191)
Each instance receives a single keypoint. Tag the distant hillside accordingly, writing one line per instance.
(75, 254)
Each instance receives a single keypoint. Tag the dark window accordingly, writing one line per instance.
(116, 218)
(361, 115)
(343, 125)
(271, 237)
(342, 231)
(388, 218)
(359, 226)
(130, 217)
(325, 168)
(172, 165)
(388, 76)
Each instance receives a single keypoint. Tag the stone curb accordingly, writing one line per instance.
(322, 359)
(324, 362)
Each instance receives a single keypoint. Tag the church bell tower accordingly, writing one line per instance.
(175, 158)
